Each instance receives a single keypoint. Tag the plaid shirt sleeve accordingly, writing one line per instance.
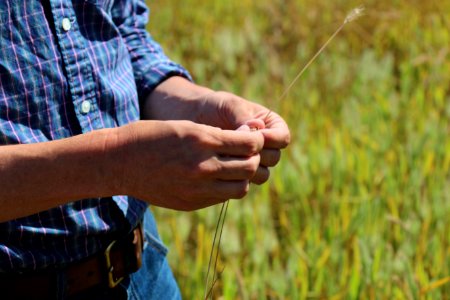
(150, 65)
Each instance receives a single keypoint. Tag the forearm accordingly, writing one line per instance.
(179, 99)
(36, 177)
(176, 99)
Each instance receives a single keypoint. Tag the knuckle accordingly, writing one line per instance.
(200, 136)
(252, 146)
(193, 139)
(251, 168)
(204, 168)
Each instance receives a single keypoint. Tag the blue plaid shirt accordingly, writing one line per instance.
(67, 68)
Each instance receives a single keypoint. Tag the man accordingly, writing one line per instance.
(91, 108)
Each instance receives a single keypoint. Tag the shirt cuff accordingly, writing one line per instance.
(156, 74)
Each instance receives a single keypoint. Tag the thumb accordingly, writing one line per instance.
(244, 127)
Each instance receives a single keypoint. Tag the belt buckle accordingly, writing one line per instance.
(112, 281)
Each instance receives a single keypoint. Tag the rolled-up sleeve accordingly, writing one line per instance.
(150, 65)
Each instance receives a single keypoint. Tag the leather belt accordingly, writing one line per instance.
(121, 258)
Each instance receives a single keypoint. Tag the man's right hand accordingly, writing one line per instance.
(183, 165)
(175, 164)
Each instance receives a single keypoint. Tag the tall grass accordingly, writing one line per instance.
(359, 206)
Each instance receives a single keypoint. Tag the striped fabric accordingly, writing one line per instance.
(67, 68)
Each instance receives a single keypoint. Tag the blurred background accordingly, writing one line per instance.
(359, 206)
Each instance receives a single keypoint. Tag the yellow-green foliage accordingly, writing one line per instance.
(359, 207)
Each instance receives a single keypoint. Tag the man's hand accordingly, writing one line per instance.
(226, 110)
(185, 166)
(178, 99)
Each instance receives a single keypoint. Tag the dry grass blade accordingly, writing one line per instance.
(220, 239)
(209, 293)
(220, 223)
(351, 16)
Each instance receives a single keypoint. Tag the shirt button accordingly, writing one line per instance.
(85, 107)
(66, 24)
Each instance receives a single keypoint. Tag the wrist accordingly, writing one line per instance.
(175, 99)
(114, 160)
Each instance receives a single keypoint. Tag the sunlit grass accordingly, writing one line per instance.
(358, 207)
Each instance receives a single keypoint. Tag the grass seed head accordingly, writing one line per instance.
(354, 14)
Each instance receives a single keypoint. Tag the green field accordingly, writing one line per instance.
(359, 206)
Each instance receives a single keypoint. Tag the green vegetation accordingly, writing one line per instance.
(359, 207)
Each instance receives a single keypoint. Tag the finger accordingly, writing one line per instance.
(214, 192)
(276, 138)
(240, 143)
(231, 189)
(237, 168)
(270, 157)
(244, 127)
(261, 175)
(221, 190)
(276, 132)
